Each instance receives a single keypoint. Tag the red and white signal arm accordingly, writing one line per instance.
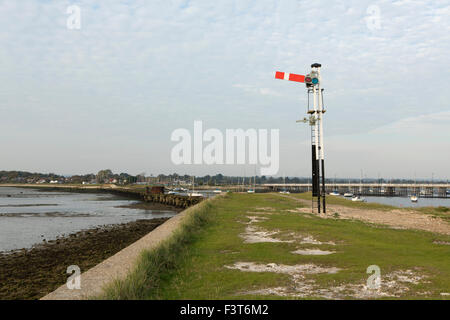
(289, 76)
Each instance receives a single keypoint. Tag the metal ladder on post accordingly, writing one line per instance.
(314, 140)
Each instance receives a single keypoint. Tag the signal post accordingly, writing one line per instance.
(315, 119)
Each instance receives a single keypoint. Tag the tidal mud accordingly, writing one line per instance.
(33, 273)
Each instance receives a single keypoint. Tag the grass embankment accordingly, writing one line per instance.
(155, 264)
(200, 261)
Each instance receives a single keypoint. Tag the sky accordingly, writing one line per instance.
(110, 94)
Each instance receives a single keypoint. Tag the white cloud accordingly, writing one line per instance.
(426, 125)
(256, 90)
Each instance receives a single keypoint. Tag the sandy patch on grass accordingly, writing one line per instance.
(255, 219)
(265, 209)
(261, 212)
(309, 239)
(312, 252)
(395, 284)
(442, 242)
(299, 210)
(254, 234)
(298, 270)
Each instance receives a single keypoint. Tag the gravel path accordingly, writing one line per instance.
(397, 218)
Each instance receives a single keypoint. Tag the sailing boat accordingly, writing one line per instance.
(359, 198)
(414, 197)
(348, 194)
(254, 183)
(334, 192)
(284, 191)
(217, 190)
(193, 193)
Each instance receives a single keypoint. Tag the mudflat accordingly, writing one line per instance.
(33, 273)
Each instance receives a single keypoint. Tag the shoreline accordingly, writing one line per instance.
(140, 193)
(35, 272)
(32, 273)
(122, 264)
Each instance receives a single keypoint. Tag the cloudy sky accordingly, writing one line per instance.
(109, 95)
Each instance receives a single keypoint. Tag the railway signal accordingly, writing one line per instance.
(289, 76)
(315, 120)
(311, 79)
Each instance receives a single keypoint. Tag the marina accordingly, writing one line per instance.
(406, 202)
(422, 190)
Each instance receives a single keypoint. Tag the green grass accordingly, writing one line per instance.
(192, 264)
(153, 265)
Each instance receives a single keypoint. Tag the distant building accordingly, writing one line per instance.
(157, 189)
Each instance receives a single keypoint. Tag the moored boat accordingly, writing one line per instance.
(358, 199)
(348, 194)
(195, 194)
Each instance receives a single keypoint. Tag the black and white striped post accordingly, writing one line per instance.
(315, 120)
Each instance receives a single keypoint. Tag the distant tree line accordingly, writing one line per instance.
(27, 177)
(107, 176)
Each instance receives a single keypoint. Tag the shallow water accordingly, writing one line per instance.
(404, 202)
(28, 216)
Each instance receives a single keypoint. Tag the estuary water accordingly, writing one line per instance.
(28, 216)
(405, 202)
